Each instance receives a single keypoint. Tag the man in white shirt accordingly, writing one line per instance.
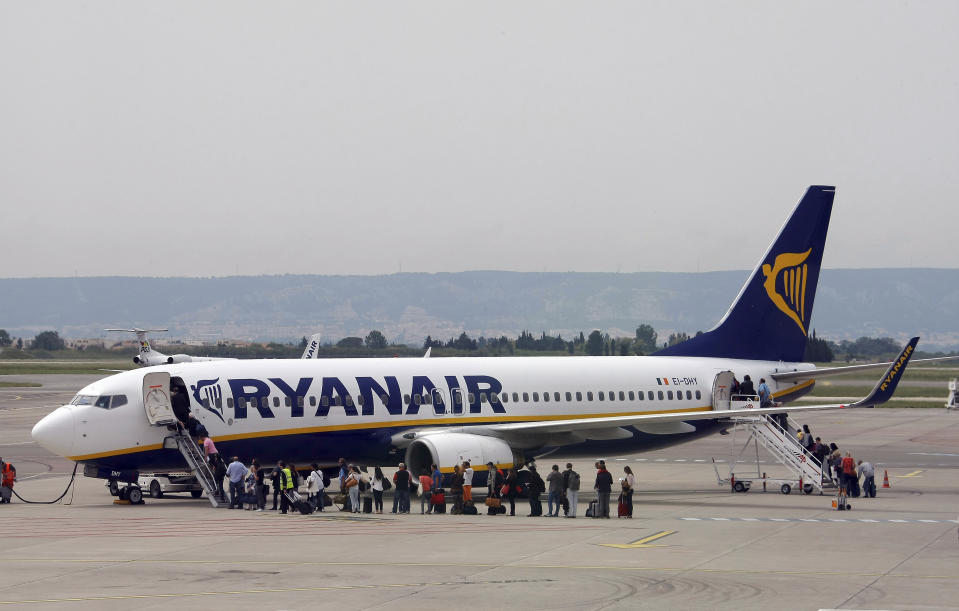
(467, 482)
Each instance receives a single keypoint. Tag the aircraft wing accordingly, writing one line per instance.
(881, 393)
(797, 376)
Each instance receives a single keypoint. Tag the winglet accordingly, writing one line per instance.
(888, 382)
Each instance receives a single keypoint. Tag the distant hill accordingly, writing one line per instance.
(850, 303)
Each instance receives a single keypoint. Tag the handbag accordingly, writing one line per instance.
(504, 490)
(386, 484)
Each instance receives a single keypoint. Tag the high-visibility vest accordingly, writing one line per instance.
(8, 474)
(287, 482)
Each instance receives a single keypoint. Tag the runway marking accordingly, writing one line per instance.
(17, 443)
(267, 591)
(644, 542)
(930, 454)
(913, 474)
(823, 520)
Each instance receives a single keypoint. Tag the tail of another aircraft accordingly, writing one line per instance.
(769, 320)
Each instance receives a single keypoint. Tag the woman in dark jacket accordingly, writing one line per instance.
(456, 490)
(511, 482)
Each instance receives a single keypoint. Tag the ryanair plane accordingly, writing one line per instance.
(500, 410)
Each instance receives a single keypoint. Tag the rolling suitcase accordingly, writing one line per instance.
(298, 502)
(368, 505)
(591, 510)
(623, 510)
(438, 501)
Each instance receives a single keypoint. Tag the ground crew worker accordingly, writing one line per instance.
(286, 485)
(8, 475)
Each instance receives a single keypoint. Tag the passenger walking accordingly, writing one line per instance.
(765, 395)
(555, 482)
(848, 470)
(426, 492)
(315, 486)
(8, 475)
(467, 482)
(219, 474)
(535, 487)
(603, 487)
(868, 473)
(377, 487)
(276, 481)
(511, 489)
(437, 478)
(807, 440)
(260, 486)
(249, 497)
(353, 486)
(494, 480)
(456, 490)
(286, 486)
(746, 387)
(401, 482)
(210, 451)
(296, 477)
(236, 472)
(572, 489)
(629, 482)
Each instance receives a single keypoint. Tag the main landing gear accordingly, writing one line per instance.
(129, 494)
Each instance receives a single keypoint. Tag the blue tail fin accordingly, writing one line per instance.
(769, 319)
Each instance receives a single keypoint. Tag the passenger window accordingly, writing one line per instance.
(493, 397)
(417, 399)
(622, 395)
(218, 401)
(689, 394)
(312, 401)
(589, 395)
(428, 399)
(631, 396)
(640, 395)
(205, 403)
(472, 397)
(385, 398)
(229, 402)
(601, 396)
(669, 395)
(253, 402)
(325, 401)
(406, 399)
(698, 395)
(545, 396)
(505, 397)
(579, 396)
(515, 397)
(660, 394)
(360, 400)
(349, 400)
(483, 398)
(458, 398)
(276, 401)
(649, 395)
(103, 402)
(569, 396)
(556, 396)
(525, 397)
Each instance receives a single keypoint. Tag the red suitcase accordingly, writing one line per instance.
(623, 509)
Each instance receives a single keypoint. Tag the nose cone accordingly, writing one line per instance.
(55, 431)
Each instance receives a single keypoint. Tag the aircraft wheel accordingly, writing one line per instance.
(786, 489)
(135, 495)
(155, 490)
(808, 488)
(196, 493)
(114, 488)
(739, 487)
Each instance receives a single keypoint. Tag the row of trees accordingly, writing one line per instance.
(597, 343)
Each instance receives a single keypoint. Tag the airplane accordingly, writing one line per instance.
(148, 357)
(504, 410)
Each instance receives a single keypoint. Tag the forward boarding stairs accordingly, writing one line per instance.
(782, 444)
(199, 467)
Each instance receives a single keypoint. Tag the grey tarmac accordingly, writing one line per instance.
(692, 544)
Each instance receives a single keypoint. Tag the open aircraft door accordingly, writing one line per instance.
(722, 388)
(156, 398)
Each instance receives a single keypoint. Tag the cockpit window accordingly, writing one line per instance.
(83, 400)
(107, 401)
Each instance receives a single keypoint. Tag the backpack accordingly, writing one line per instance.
(573, 480)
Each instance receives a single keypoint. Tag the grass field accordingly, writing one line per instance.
(16, 384)
(44, 367)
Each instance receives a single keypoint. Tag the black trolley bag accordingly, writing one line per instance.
(298, 502)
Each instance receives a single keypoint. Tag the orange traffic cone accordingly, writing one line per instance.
(885, 479)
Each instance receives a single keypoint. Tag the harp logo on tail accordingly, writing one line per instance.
(786, 285)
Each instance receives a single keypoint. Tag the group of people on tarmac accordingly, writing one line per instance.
(841, 469)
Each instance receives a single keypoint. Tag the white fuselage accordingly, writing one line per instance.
(317, 410)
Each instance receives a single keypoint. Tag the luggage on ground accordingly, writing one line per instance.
(438, 502)
(469, 508)
(298, 502)
(492, 502)
(623, 510)
(368, 504)
(591, 510)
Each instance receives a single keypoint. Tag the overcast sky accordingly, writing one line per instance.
(216, 138)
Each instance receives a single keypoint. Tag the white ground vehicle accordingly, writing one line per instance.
(158, 484)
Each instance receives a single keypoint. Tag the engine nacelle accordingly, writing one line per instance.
(448, 449)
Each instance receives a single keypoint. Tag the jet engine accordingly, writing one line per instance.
(448, 449)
